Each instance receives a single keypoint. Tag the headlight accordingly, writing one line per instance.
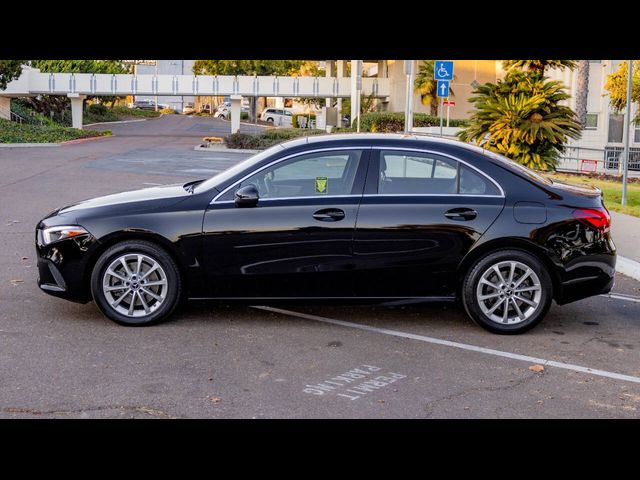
(53, 234)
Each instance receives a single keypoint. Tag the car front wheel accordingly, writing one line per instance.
(136, 283)
(507, 292)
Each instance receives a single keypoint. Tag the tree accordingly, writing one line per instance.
(247, 67)
(582, 91)
(426, 85)
(539, 66)
(9, 70)
(521, 117)
(57, 103)
(617, 85)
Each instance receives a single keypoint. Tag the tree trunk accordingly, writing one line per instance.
(582, 91)
(253, 107)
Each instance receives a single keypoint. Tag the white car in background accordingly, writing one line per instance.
(278, 116)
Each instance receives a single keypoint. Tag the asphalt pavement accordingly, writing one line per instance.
(212, 360)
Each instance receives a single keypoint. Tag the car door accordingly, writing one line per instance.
(420, 215)
(297, 240)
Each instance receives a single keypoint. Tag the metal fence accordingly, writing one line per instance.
(597, 160)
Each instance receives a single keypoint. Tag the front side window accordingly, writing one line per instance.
(311, 175)
(414, 173)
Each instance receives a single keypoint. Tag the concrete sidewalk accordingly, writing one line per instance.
(625, 230)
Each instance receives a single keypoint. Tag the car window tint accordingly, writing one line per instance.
(472, 183)
(315, 174)
(416, 173)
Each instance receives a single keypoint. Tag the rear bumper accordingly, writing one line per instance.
(593, 275)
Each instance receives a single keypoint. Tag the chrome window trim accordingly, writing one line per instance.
(369, 195)
(420, 150)
(297, 154)
(316, 197)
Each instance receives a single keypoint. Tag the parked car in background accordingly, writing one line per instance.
(144, 105)
(224, 111)
(188, 109)
(437, 220)
(277, 116)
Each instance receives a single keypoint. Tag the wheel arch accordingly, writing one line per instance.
(114, 238)
(513, 243)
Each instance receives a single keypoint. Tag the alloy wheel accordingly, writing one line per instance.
(135, 285)
(509, 292)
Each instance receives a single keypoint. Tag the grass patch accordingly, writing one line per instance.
(267, 138)
(12, 132)
(612, 190)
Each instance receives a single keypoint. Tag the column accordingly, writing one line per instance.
(5, 108)
(341, 69)
(76, 109)
(329, 73)
(236, 102)
(354, 87)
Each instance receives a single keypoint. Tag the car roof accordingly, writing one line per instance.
(381, 138)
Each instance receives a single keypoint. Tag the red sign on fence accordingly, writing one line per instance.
(588, 165)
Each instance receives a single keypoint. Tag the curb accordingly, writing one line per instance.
(117, 121)
(82, 140)
(28, 145)
(199, 148)
(628, 267)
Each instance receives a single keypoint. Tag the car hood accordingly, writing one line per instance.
(135, 200)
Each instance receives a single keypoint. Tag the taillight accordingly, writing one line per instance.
(597, 218)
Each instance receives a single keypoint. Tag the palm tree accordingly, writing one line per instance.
(521, 117)
(582, 91)
(426, 85)
(538, 65)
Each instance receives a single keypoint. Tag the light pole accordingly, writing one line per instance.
(627, 122)
(156, 84)
(408, 109)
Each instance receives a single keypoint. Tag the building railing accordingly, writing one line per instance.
(597, 160)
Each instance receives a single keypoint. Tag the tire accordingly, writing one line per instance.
(270, 120)
(527, 303)
(153, 281)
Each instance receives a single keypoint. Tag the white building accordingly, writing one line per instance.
(602, 139)
(168, 67)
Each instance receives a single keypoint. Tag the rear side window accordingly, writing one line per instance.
(414, 173)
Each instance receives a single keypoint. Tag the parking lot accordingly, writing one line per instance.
(213, 360)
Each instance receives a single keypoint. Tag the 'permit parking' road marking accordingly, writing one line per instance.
(463, 346)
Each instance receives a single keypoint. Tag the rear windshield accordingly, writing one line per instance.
(512, 165)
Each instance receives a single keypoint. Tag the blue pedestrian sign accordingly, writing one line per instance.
(443, 70)
(443, 88)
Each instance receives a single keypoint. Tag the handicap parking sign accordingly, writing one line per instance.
(443, 70)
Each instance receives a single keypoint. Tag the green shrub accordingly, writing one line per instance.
(294, 118)
(97, 109)
(267, 138)
(135, 112)
(167, 111)
(388, 122)
(12, 132)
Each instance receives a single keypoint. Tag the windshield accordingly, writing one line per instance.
(532, 174)
(228, 174)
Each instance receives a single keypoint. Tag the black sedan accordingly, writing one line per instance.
(366, 218)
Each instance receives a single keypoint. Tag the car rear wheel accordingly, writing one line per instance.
(507, 292)
(270, 120)
(136, 283)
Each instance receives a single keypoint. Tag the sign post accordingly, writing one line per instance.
(408, 110)
(449, 103)
(443, 74)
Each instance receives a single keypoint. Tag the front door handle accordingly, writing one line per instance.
(329, 215)
(461, 214)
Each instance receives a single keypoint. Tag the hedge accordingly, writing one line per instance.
(267, 138)
(12, 132)
(388, 122)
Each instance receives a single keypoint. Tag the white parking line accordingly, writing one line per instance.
(621, 296)
(463, 346)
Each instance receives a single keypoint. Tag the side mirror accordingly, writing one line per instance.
(247, 196)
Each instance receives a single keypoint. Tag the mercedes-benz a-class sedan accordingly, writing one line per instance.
(366, 218)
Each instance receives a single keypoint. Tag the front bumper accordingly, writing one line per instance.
(64, 268)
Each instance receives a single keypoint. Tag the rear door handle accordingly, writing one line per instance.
(329, 215)
(461, 214)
